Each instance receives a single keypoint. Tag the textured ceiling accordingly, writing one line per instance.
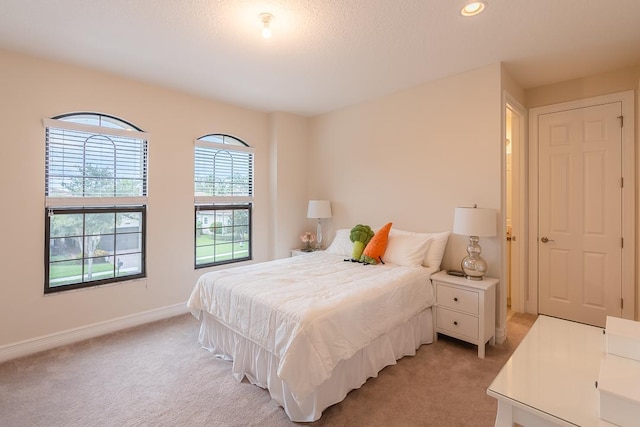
(324, 54)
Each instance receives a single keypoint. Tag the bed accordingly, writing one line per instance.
(311, 328)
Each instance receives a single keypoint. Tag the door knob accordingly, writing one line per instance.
(545, 239)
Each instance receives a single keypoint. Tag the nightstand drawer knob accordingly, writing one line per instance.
(455, 322)
(455, 299)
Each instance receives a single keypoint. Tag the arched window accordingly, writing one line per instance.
(223, 193)
(95, 199)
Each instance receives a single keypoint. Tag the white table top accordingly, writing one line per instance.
(554, 371)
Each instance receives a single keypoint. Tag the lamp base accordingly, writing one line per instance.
(473, 265)
(319, 236)
(474, 268)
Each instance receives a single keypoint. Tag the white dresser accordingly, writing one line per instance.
(550, 379)
(466, 309)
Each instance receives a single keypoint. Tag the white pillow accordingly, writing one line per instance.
(406, 249)
(434, 251)
(341, 244)
(433, 257)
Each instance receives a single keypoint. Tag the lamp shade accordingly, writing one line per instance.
(319, 209)
(474, 222)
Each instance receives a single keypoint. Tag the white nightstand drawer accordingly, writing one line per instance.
(458, 299)
(458, 323)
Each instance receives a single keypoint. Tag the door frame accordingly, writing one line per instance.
(519, 167)
(627, 100)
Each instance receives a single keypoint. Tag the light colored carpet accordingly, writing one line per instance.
(158, 375)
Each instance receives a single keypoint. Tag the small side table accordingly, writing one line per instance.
(466, 309)
(298, 252)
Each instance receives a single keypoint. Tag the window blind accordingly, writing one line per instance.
(223, 172)
(96, 165)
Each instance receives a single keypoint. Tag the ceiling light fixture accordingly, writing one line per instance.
(473, 8)
(266, 22)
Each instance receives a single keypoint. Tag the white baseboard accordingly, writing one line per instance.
(35, 345)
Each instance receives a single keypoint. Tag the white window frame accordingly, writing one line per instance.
(56, 205)
(208, 202)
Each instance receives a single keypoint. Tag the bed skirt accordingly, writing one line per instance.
(260, 366)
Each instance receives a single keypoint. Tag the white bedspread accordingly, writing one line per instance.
(312, 311)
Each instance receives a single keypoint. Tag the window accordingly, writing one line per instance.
(95, 200)
(223, 186)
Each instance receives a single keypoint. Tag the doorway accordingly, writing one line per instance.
(582, 208)
(515, 199)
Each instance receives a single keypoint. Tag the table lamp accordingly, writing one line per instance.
(319, 209)
(474, 222)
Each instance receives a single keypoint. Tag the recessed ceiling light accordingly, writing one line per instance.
(473, 8)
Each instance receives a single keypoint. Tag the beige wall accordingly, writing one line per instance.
(512, 87)
(587, 87)
(289, 182)
(412, 157)
(409, 158)
(33, 89)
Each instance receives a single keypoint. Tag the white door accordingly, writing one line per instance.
(580, 213)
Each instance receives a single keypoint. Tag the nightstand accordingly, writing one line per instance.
(466, 309)
(297, 252)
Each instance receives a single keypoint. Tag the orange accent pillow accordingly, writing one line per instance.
(377, 245)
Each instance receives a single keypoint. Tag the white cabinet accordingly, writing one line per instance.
(549, 380)
(298, 252)
(466, 309)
